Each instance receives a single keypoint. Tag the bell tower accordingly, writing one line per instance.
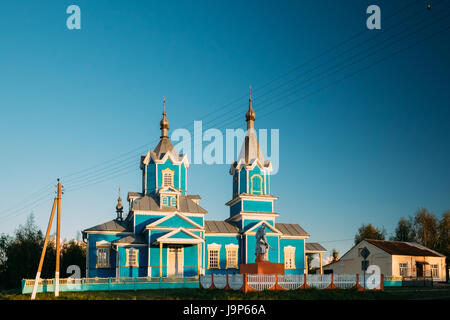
(251, 199)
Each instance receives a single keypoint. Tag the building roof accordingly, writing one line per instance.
(132, 239)
(151, 203)
(113, 225)
(291, 229)
(165, 146)
(220, 227)
(402, 248)
(314, 246)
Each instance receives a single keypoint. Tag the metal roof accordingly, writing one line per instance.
(291, 229)
(113, 225)
(165, 146)
(133, 239)
(314, 246)
(151, 203)
(402, 248)
(212, 226)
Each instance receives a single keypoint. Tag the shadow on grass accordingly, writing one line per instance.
(203, 294)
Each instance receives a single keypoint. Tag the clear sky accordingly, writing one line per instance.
(357, 144)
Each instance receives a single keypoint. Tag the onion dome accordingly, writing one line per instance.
(250, 115)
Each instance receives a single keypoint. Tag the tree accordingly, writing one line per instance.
(20, 255)
(369, 232)
(404, 231)
(73, 253)
(443, 245)
(426, 228)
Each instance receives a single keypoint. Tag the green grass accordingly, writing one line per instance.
(397, 293)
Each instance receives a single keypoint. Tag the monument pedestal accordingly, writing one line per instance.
(262, 267)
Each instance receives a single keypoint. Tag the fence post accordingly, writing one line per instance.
(382, 282)
(212, 282)
(244, 285)
(227, 286)
(109, 284)
(358, 287)
(305, 285)
(276, 283)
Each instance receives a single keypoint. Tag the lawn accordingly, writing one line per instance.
(393, 293)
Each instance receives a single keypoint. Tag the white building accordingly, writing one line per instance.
(395, 259)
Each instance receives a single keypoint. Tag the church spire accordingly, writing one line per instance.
(119, 207)
(164, 124)
(250, 115)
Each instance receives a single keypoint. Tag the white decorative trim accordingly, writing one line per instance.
(163, 160)
(268, 225)
(294, 237)
(214, 246)
(253, 163)
(221, 234)
(160, 213)
(103, 243)
(169, 216)
(109, 232)
(166, 238)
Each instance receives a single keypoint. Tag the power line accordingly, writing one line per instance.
(403, 9)
(100, 172)
(350, 75)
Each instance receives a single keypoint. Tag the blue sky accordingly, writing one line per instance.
(371, 148)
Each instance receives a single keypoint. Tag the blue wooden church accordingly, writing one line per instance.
(165, 233)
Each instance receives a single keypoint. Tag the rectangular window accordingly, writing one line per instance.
(165, 201)
(403, 269)
(132, 258)
(168, 179)
(232, 258)
(173, 201)
(102, 257)
(289, 258)
(434, 270)
(213, 258)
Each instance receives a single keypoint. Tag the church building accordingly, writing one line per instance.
(166, 234)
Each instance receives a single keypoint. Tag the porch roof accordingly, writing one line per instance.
(314, 247)
(133, 239)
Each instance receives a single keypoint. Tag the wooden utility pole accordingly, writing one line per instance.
(58, 247)
(56, 204)
(41, 262)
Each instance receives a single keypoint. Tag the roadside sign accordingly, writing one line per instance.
(364, 265)
(365, 253)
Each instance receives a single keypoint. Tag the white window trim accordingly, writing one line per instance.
(232, 248)
(289, 252)
(171, 173)
(108, 256)
(214, 246)
(127, 262)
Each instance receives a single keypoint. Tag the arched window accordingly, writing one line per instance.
(256, 184)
